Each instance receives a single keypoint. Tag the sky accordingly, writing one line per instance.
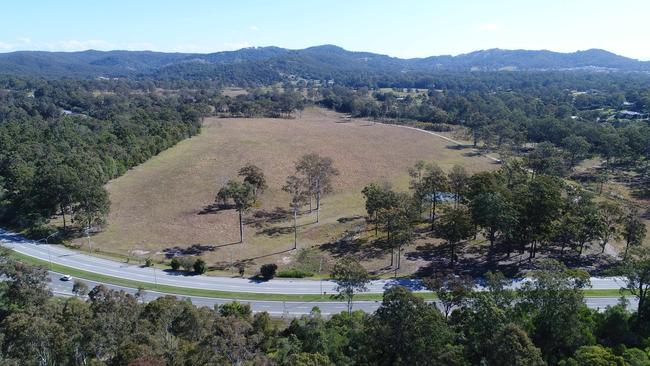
(401, 28)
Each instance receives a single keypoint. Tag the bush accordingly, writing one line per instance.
(200, 266)
(187, 263)
(176, 264)
(236, 309)
(80, 288)
(294, 273)
(148, 262)
(268, 270)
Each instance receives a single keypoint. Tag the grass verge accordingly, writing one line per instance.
(183, 291)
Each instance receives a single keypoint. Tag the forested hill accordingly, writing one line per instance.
(264, 64)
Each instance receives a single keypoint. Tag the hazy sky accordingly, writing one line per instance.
(398, 28)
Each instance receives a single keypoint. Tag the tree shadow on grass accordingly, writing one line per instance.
(344, 220)
(459, 147)
(261, 218)
(359, 248)
(215, 208)
(194, 249)
(477, 259)
(276, 231)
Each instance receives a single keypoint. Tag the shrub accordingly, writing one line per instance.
(187, 263)
(242, 270)
(294, 273)
(80, 288)
(268, 270)
(148, 262)
(236, 309)
(200, 266)
(176, 264)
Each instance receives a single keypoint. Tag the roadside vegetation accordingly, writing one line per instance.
(545, 322)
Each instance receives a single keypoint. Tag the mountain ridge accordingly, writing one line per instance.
(314, 61)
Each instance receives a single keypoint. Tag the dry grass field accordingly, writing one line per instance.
(157, 205)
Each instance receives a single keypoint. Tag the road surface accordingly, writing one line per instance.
(276, 308)
(74, 259)
(78, 260)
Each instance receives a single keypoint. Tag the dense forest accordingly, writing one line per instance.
(63, 140)
(544, 322)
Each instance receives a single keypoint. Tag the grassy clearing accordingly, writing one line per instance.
(156, 205)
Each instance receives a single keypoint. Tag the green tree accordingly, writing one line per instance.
(407, 331)
(254, 176)
(636, 271)
(454, 226)
(634, 230)
(452, 291)
(458, 182)
(295, 186)
(378, 197)
(398, 221)
(546, 159)
(577, 148)
(611, 217)
(538, 204)
(513, 347)
(199, 266)
(552, 305)
(429, 188)
(79, 288)
(318, 172)
(350, 278)
(243, 198)
(268, 270)
(93, 205)
(593, 356)
(493, 213)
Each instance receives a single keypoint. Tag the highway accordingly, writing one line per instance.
(277, 308)
(74, 259)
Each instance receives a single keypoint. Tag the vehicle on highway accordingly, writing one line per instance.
(66, 278)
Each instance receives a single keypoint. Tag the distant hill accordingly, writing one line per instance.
(271, 63)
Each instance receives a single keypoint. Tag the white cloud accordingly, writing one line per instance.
(254, 28)
(5, 46)
(24, 40)
(489, 27)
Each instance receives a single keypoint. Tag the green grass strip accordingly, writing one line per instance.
(183, 291)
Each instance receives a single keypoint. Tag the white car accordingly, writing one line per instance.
(66, 278)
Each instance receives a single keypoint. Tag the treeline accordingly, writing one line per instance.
(544, 322)
(514, 208)
(63, 140)
(260, 103)
(573, 111)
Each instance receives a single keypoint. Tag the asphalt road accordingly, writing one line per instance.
(75, 259)
(63, 256)
(276, 308)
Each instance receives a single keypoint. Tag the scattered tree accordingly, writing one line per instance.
(350, 278)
